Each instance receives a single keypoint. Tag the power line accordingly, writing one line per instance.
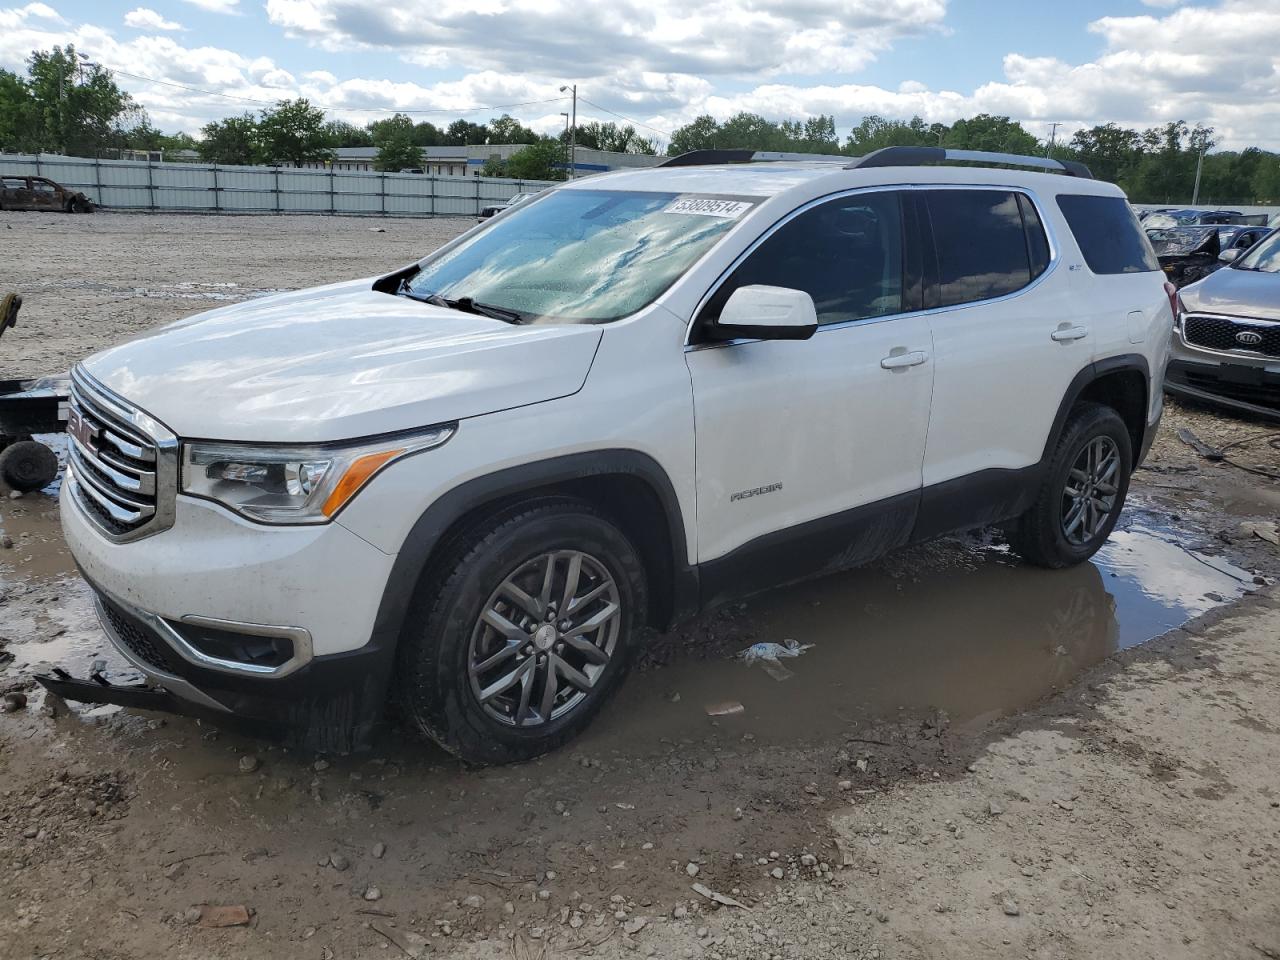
(452, 110)
(621, 117)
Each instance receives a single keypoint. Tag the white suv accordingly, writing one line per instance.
(467, 486)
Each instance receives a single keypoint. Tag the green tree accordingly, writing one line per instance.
(463, 132)
(18, 126)
(1110, 151)
(987, 132)
(427, 134)
(343, 134)
(233, 140)
(538, 161)
(874, 132)
(293, 131)
(507, 129)
(394, 140)
(701, 133)
(609, 136)
(76, 106)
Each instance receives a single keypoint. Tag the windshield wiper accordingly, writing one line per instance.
(487, 310)
(463, 304)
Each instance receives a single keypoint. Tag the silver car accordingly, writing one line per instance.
(1226, 343)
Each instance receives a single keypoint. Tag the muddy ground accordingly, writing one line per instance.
(975, 759)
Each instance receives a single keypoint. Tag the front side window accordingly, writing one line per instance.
(982, 245)
(581, 256)
(1263, 257)
(42, 186)
(845, 253)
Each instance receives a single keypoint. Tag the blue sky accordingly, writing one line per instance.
(662, 62)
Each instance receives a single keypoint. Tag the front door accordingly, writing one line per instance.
(808, 453)
(45, 194)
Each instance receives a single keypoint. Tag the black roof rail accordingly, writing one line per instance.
(915, 156)
(699, 158)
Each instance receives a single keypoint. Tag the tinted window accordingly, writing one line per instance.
(1108, 233)
(1037, 242)
(981, 247)
(845, 253)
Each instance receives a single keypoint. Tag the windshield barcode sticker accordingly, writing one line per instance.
(709, 207)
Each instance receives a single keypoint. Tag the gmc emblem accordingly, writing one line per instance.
(78, 428)
(1248, 338)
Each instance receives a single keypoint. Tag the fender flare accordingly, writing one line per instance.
(425, 535)
(1087, 375)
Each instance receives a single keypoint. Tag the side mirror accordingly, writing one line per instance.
(759, 312)
(1231, 253)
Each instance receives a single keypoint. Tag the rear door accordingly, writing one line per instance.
(1008, 335)
(809, 453)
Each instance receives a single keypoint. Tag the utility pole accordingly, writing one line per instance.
(573, 133)
(1053, 137)
(1195, 192)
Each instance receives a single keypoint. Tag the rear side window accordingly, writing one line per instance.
(982, 246)
(1108, 233)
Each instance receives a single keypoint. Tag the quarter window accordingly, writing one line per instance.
(1108, 233)
(845, 253)
(982, 246)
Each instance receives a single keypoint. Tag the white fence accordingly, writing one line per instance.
(210, 188)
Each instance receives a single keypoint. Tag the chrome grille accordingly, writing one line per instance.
(121, 463)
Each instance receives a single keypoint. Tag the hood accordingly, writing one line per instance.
(1241, 293)
(339, 362)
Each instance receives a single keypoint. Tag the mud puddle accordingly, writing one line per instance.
(960, 626)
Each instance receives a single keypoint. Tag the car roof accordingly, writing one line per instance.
(774, 178)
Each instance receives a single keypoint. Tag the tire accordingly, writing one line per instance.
(452, 661)
(28, 465)
(1066, 526)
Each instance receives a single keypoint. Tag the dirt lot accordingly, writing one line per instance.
(976, 759)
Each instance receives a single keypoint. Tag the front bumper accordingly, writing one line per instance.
(213, 578)
(1248, 388)
(332, 704)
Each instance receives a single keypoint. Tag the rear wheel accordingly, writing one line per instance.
(1082, 493)
(524, 635)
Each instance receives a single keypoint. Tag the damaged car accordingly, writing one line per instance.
(41, 193)
(1191, 253)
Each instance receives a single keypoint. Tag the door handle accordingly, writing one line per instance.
(1067, 334)
(896, 361)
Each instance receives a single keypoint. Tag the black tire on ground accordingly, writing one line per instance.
(436, 690)
(28, 465)
(1040, 535)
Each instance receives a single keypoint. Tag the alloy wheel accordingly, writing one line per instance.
(1092, 487)
(544, 638)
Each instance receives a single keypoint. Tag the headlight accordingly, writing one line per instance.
(294, 484)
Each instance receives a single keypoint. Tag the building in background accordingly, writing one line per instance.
(468, 160)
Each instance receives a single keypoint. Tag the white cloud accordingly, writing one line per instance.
(215, 6)
(572, 38)
(143, 18)
(16, 17)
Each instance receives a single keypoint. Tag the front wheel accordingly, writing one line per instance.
(1082, 493)
(523, 636)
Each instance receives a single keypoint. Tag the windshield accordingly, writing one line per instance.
(1263, 256)
(581, 256)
